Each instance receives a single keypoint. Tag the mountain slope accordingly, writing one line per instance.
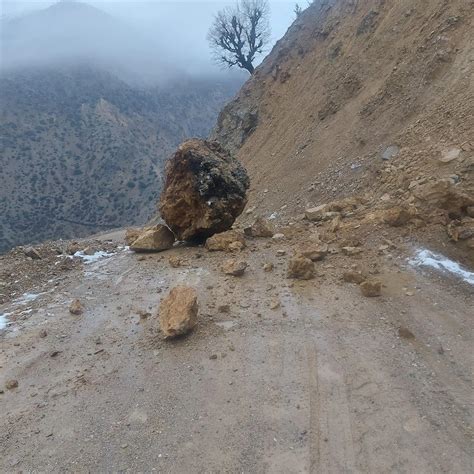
(88, 114)
(349, 80)
(83, 151)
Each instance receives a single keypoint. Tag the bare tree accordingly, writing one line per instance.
(239, 33)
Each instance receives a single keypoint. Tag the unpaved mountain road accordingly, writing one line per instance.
(321, 384)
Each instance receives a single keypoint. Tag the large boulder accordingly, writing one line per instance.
(204, 192)
(178, 311)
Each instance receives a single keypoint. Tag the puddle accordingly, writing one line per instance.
(426, 258)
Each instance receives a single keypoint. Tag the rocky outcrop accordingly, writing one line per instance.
(154, 239)
(178, 312)
(204, 192)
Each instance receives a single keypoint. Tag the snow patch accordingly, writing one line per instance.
(4, 320)
(26, 298)
(95, 257)
(426, 258)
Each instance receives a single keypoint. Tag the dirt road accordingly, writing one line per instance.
(322, 384)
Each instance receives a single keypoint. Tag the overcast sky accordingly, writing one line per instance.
(178, 28)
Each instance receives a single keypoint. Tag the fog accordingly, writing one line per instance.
(147, 41)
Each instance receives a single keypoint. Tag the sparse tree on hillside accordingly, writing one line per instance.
(298, 10)
(239, 33)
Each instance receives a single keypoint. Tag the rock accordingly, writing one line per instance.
(175, 261)
(229, 241)
(397, 216)
(316, 213)
(301, 268)
(43, 333)
(154, 239)
(268, 267)
(260, 228)
(131, 235)
(354, 277)
(275, 304)
(32, 253)
(76, 307)
(73, 247)
(450, 154)
(178, 311)
(390, 152)
(204, 192)
(371, 288)
(444, 194)
(223, 308)
(234, 267)
(315, 252)
(89, 250)
(11, 384)
(278, 236)
(470, 211)
(351, 251)
(405, 333)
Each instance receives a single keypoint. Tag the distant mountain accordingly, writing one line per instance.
(82, 142)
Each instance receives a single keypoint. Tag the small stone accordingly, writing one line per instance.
(234, 267)
(371, 288)
(405, 333)
(11, 384)
(213, 357)
(43, 333)
(281, 253)
(275, 304)
(223, 308)
(76, 307)
(351, 251)
(175, 261)
(32, 253)
(354, 277)
(260, 228)
(268, 267)
(301, 268)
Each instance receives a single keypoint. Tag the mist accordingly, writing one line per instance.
(149, 42)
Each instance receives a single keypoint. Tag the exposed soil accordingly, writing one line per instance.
(326, 381)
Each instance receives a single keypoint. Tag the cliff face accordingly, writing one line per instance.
(364, 97)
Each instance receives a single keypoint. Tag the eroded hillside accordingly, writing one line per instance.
(364, 98)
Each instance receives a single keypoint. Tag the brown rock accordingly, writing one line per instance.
(301, 268)
(397, 216)
(76, 307)
(32, 253)
(11, 384)
(316, 213)
(354, 277)
(178, 311)
(314, 252)
(154, 239)
(260, 228)
(223, 308)
(175, 261)
(371, 288)
(131, 235)
(204, 192)
(268, 267)
(226, 241)
(405, 333)
(234, 267)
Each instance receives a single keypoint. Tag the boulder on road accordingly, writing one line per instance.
(204, 192)
(154, 239)
(178, 312)
(371, 288)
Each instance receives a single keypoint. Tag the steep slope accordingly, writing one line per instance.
(349, 80)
